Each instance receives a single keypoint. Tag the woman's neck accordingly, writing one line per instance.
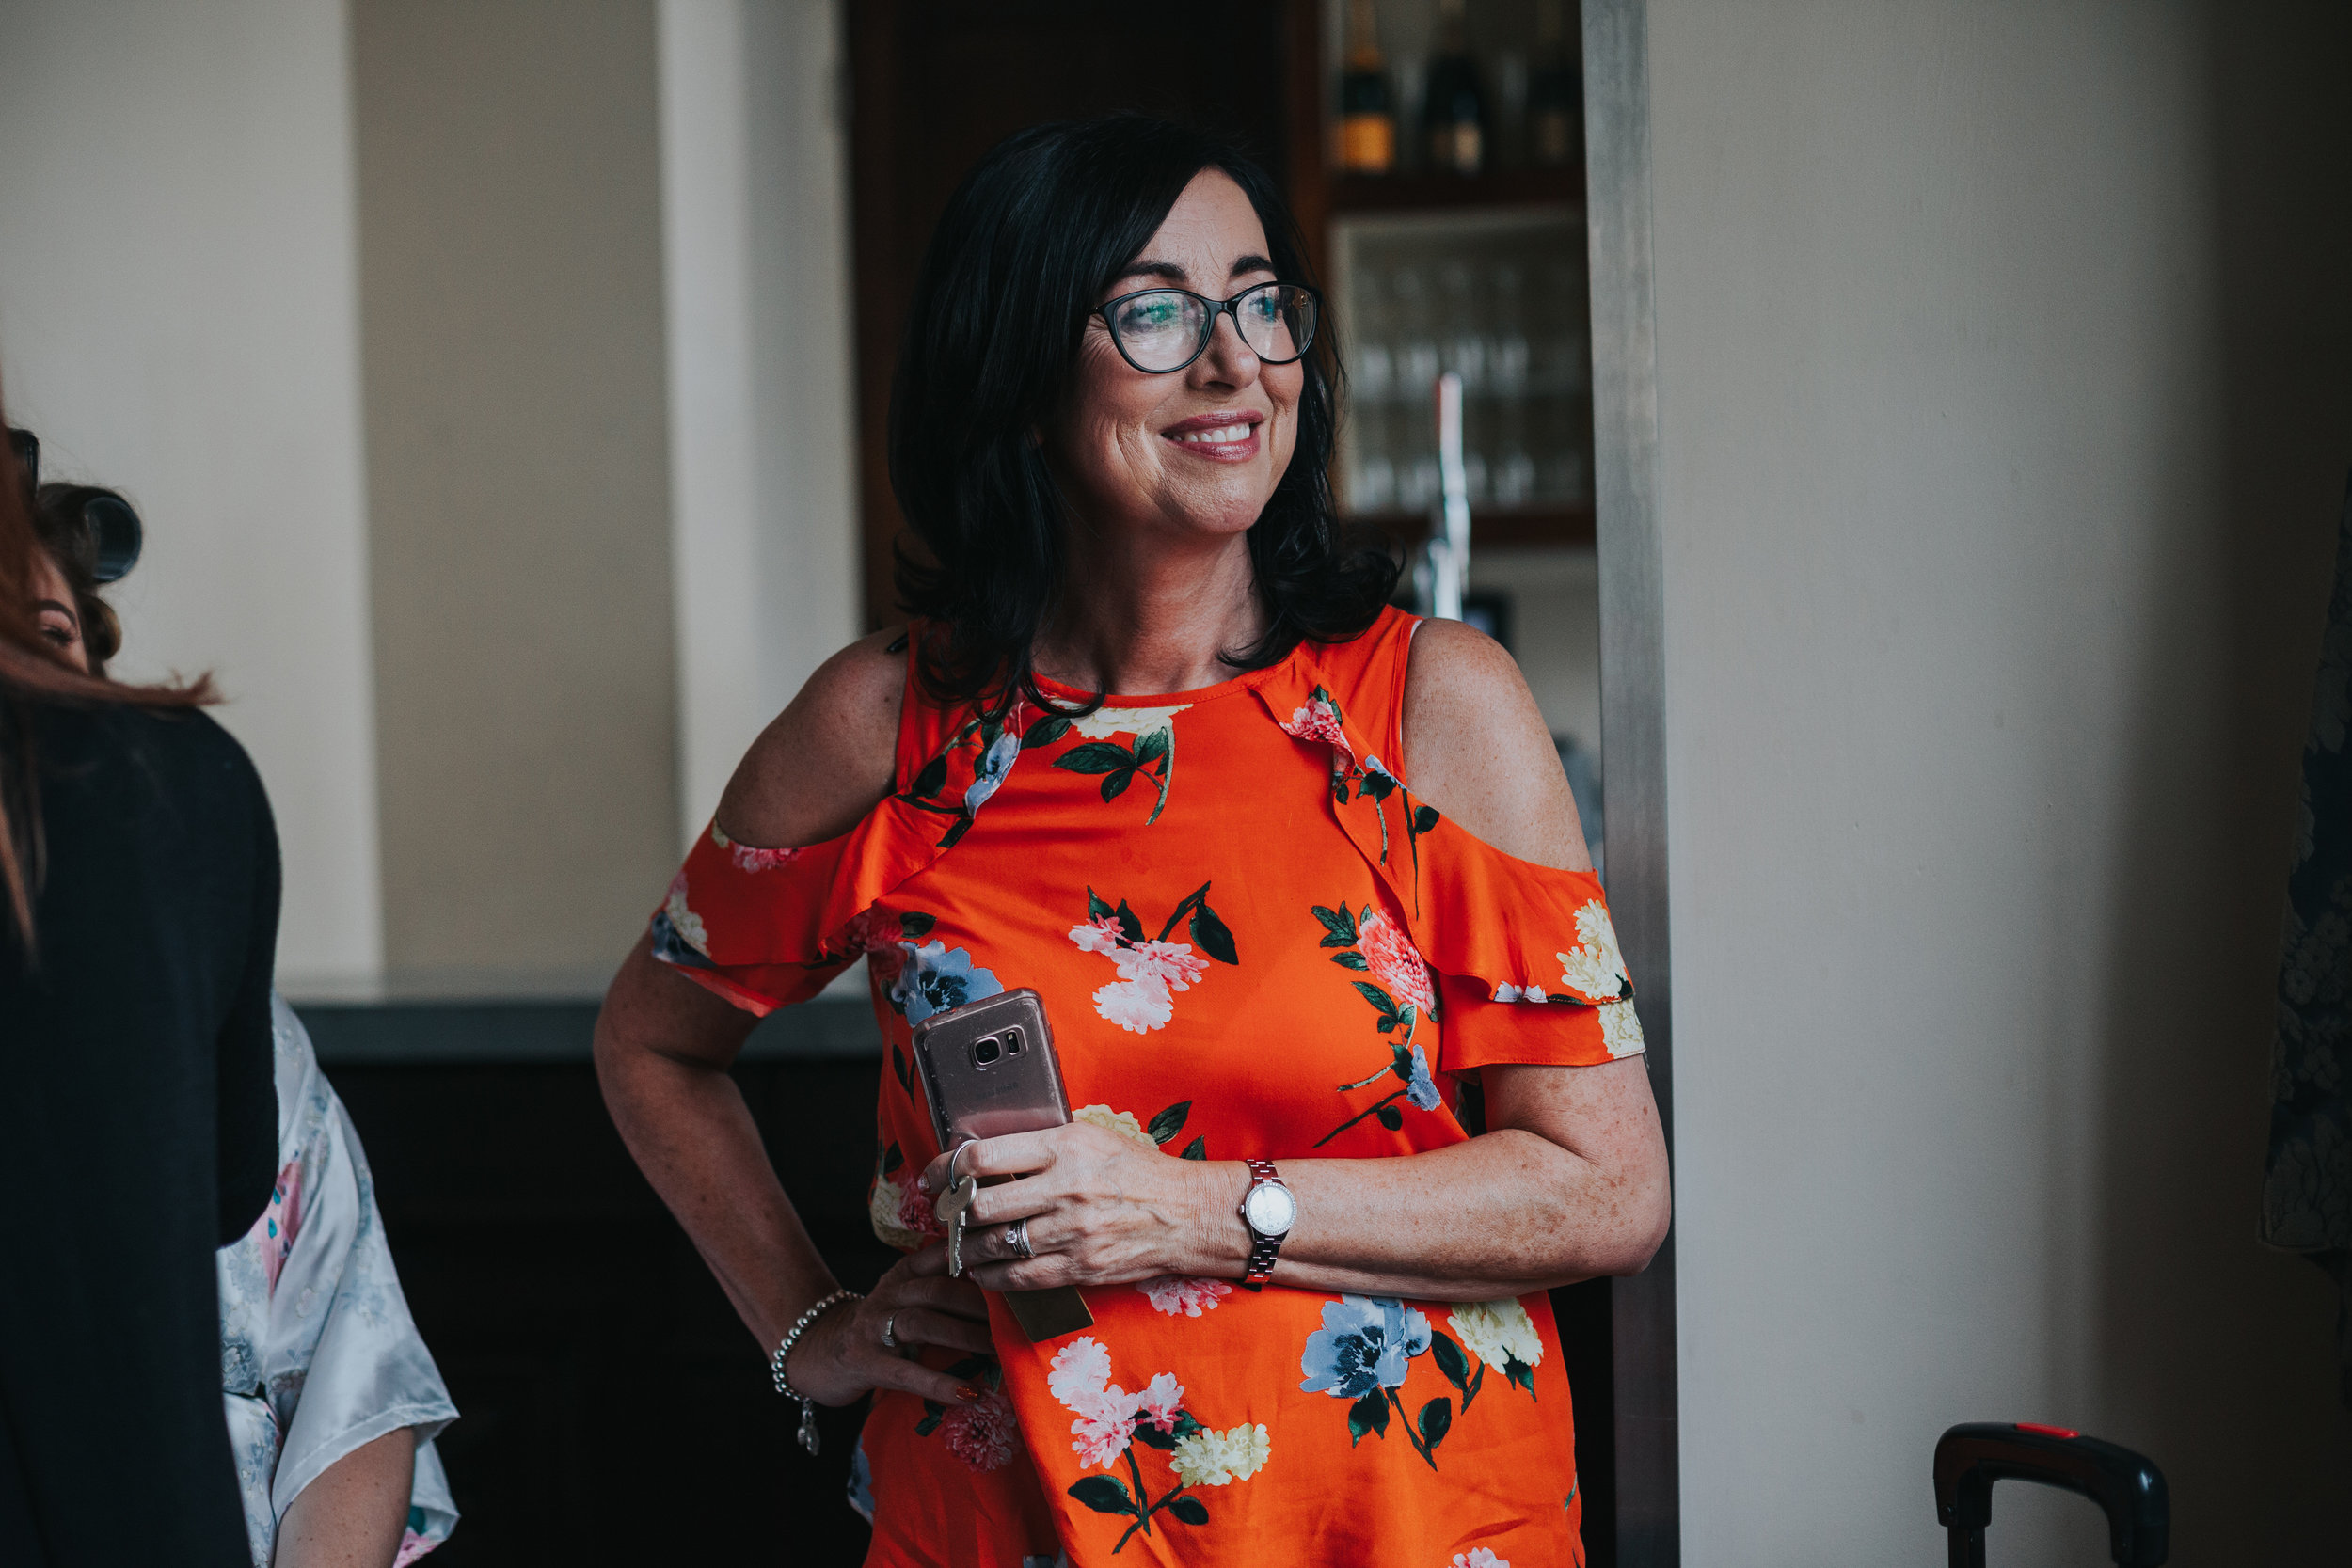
(1143, 615)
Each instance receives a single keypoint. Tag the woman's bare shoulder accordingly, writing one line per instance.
(827, 759)
(1476, 747)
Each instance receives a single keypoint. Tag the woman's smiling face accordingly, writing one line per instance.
(1197, 452)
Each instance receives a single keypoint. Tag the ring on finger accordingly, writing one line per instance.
(1017, 1238)
(890, 1332)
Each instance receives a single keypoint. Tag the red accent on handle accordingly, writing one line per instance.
(2045, 1431)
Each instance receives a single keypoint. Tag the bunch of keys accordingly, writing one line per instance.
(951, 1209)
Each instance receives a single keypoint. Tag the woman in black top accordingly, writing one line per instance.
(138, 914)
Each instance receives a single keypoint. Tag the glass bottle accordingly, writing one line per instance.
(1454, 104)
(1555, 91)
(1367, 112)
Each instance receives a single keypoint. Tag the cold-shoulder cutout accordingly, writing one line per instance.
(826, 760)
(766, 921)
(1476, 747)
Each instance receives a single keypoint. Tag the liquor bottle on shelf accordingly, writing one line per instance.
(1453, 105)
(1555, 92)
(1367, 113)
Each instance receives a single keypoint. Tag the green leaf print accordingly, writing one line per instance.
(1152, 1437)
(1437, 1419)
(1096, 909)
(1389, 1018)
(1104, 1495)
(1352, 959)
(1368, 1416)
(929, 782)
(1425, 820)
(1096, 756)
(892, 1159)
(1045, 731)
(1211, 935)
(1197, 1149)
(1116, 784)
(1168, 1122)
(1339, 926)
(1450, 1359)
(1153, 748)
(1388, 1116)
(1128, 924)
(1188, 1508)
(914, 925)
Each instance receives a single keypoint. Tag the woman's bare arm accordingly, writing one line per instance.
(1569, 1182)
(664, 1044)
(353, 1515)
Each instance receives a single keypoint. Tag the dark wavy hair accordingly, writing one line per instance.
(1048, 219)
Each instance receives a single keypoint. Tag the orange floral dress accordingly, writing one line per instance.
(1253, 940)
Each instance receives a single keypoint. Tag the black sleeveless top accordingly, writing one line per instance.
(138, 1132)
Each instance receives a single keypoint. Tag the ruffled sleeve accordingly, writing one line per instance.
(1526, 958)
(765, 929)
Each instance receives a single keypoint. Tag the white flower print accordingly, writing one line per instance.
(1176, 1293)
(1594, 968)
(1079, 1371)
(1172, 964)
(1505, 991)
(1497, 1332)
(685, 921)
(1477, 1557)
(1122, 1122)
(1079, 1377)
(1138, 1005)
(1104, 723)
(1212, 1458)
(1101, 936)
(1621, 1030)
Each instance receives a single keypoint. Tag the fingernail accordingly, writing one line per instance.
(968, 1394)
(923, 1182)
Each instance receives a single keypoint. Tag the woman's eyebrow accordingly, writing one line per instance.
(64, 609)
(1250, 263)
(1166, 271)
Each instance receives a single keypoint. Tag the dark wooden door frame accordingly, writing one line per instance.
(1633, 711)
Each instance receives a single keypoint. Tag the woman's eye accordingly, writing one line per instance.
(57, 632)
(1151, 315)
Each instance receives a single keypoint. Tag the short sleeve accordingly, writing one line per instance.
(1528, 961)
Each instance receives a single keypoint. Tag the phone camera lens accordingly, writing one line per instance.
(986, 1052)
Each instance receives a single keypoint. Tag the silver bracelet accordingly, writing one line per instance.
(775, 1364)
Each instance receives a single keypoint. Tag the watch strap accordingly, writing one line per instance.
(1264, 1249)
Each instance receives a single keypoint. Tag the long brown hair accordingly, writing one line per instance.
(33, 672)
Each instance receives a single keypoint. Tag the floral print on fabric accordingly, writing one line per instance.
(1320, 722)
(1111, 1421)
(984, 1435)
(1501, 1336)
(1153, 756)
(1176, 1293)
(750, 859)
(901, 1216)
(992, 744)
(933, 977)
(678, 937)
(1478, 1557)
(1366, 1347)
(1149, 971)
(1400, 994)
(1593, 969)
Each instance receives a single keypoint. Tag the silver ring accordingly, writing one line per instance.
(890, 1332)
(1017, 1238)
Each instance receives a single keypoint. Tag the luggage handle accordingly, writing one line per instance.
(1970, 1457)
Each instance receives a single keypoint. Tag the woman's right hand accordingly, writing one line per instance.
(842, 1356)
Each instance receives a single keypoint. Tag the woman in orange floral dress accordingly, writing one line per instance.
(1297, 878)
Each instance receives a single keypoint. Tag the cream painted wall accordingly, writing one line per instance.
(2006, 396)
(755, 236)
(511, 270)
(178, 317)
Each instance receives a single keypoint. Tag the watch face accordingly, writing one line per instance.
(1270, 1209)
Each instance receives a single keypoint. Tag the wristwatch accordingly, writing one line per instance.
(1269, 1209)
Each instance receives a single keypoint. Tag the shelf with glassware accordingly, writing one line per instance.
(1453, 205)
(1497, 297)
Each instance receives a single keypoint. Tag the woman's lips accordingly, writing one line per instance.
(1219, 437)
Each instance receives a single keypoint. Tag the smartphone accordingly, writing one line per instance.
(989, 1070)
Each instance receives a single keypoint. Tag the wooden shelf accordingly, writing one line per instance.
(1500, 187)
(1553, 527)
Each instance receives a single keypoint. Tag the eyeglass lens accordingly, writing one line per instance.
(1166, 329)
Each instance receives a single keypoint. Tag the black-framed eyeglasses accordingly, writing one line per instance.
(1160, 331)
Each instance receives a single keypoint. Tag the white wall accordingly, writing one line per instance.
(2004, 355)
(756, 235)
(179, 319)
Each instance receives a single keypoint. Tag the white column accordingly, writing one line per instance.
(755, 253)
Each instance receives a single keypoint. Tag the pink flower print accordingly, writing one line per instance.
(983, 1435)
(917, 1213)
(748, 857)
(875, 933)
(1178, 1295)
(1170, 963)
(281, 1221)
(412, 1546)
(1397, 967)
(1161, 1401)
(1320, 721)
(1137, 1005)
(1103, 1436)
(1079, 1377)
(1101, 936)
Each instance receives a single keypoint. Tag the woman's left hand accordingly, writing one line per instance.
(1102, 1210)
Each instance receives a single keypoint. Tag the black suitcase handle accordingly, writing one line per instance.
(1969, 1458)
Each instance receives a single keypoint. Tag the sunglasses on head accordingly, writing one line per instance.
(112, 529)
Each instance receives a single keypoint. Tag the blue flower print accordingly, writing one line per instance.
(934, 978)
(1362, 1347)
(862, 1481)
(995, 764)
(1420, 1088)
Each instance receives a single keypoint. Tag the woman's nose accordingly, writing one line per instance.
(1229, 362)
